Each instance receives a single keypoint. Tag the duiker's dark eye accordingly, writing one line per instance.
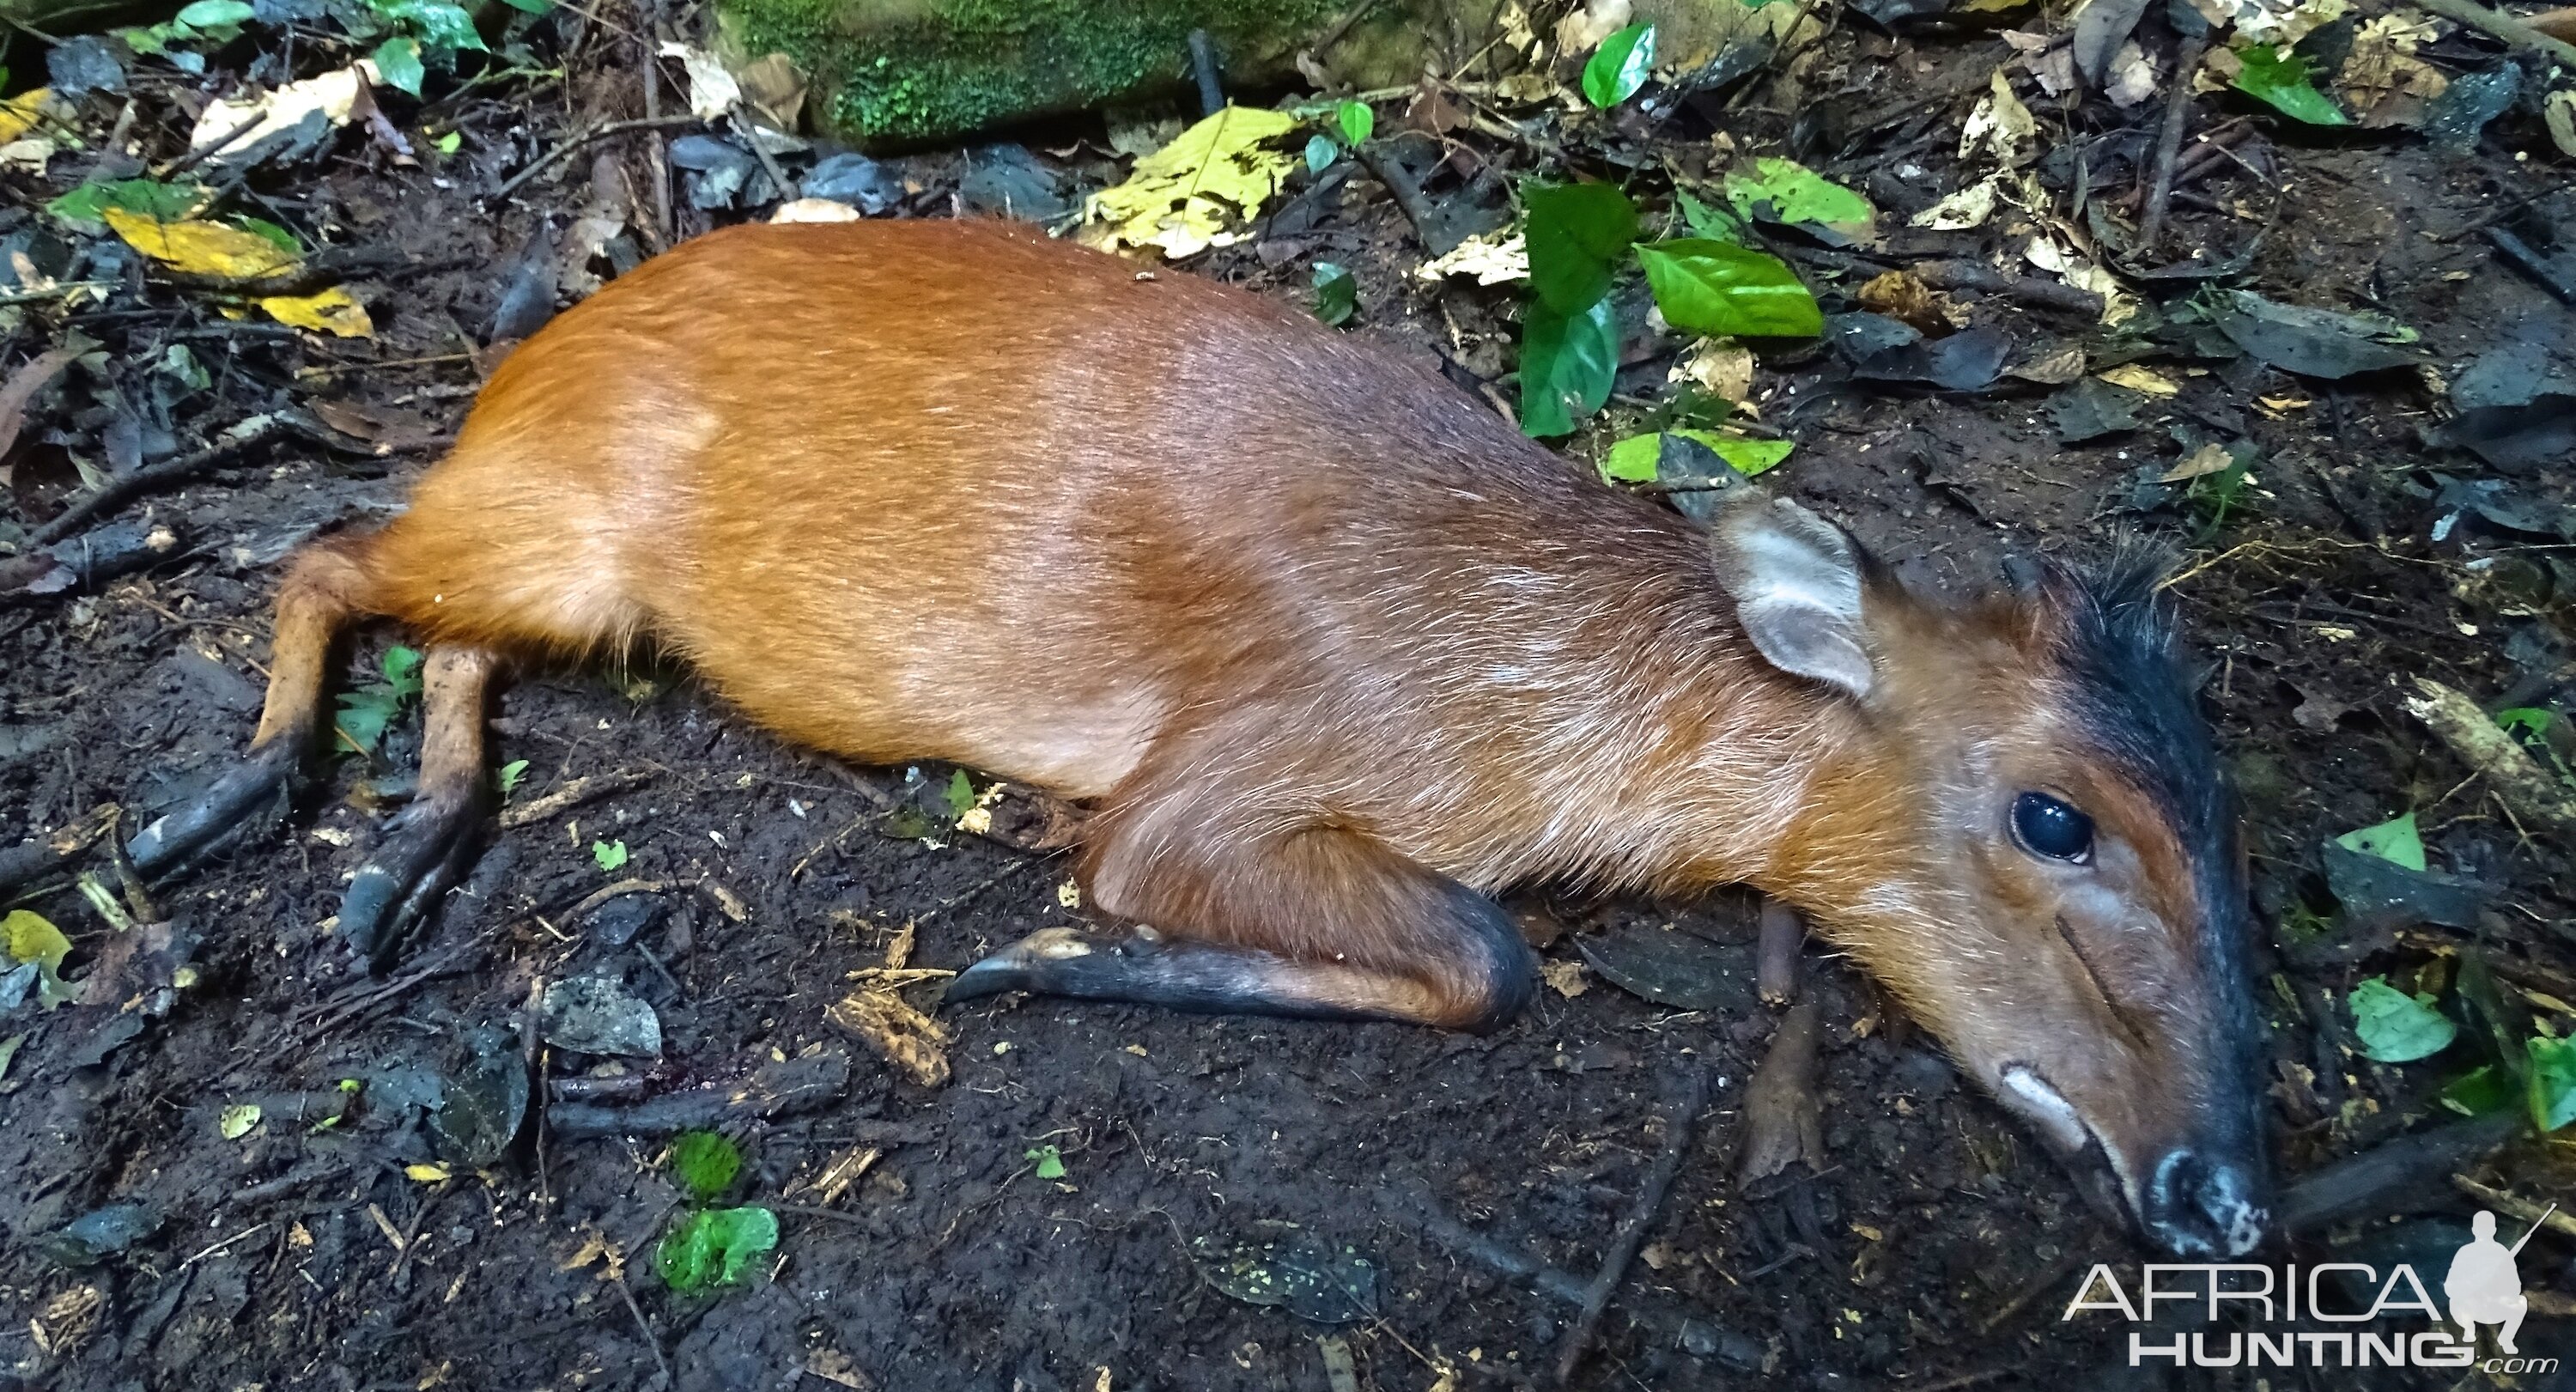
(2049, 827)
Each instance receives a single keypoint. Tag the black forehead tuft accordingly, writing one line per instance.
(2133, 698)
(2121, 657)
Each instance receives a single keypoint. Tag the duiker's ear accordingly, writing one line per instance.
(1796, 579)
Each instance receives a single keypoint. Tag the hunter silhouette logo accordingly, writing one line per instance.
(2485, 1287)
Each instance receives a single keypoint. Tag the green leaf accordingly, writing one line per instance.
(398, 63)
(1715, 224)
(704, 1163)
(610, 856)
(1358, 121)
(2551, 1081)
(511, 773)
(2533, 718)
(1337, 294)
(2391, 840)
(1718, 288)
(2396, 1027)
(714, 1247)
(1576, 232)
(534, 7)
(1320, 153)
(2281, 79)
(363, 717)
(1567, 365)
(449, 143)
(275, 236)
(402, 670)
(2480, 1091)
(436, 23)
(1618, 67)
(1798, 194)
(1048, 1162)
(1634, 459)
(959, 794)
(182, 365)
(142, 197)
(237, 1120)
(214, 14)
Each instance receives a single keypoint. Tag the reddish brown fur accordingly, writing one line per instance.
(1321, 637)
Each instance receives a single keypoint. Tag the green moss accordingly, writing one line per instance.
(901, 71)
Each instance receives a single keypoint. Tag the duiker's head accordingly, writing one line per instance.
(2031, 845)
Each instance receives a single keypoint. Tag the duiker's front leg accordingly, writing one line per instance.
(1319, 922)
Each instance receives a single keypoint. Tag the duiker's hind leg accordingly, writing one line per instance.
(433, 841)
(329, 585)
(1321, 922)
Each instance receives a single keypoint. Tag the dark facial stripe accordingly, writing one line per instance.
(2134, 702)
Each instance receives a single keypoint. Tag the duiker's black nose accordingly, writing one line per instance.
(2196, 1207)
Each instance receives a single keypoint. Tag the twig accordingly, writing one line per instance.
(1203, 67)
(574, 794)
(2169, 143)
(558, 154)
(1408, 198)
(2516, 1207)
(202, 153)
(650, 18)
(627, 1294)
(1417, 1209)
(768, 162)
(1679, 1122)
(2503, 26)
(119, 491)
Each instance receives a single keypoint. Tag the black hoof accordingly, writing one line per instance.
(263, 776)
(429, 850)
(1034, 963)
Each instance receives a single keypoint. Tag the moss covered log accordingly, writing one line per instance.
(902, 72)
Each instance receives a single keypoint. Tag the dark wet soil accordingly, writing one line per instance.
(1936, 1251)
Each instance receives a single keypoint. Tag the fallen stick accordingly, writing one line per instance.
(2030, 290)
(2513, 31)
(2408, 1171)
(773, 1090)
(1417, 1209)
(42, 854)
(586, 788)
(2558, 24)
(2169, 141)
(558, 154)
(1679, 1122)
(2527, 788)
(125, 488)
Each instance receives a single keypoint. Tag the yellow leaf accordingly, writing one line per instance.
(1181, 198)
(201, 248)
(427, 1174)
(18, 114)
(2141, 379)
(33, 938)
(237, 1120)
(334, 311)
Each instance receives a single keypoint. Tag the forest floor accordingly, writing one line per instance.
(1061, 1212)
